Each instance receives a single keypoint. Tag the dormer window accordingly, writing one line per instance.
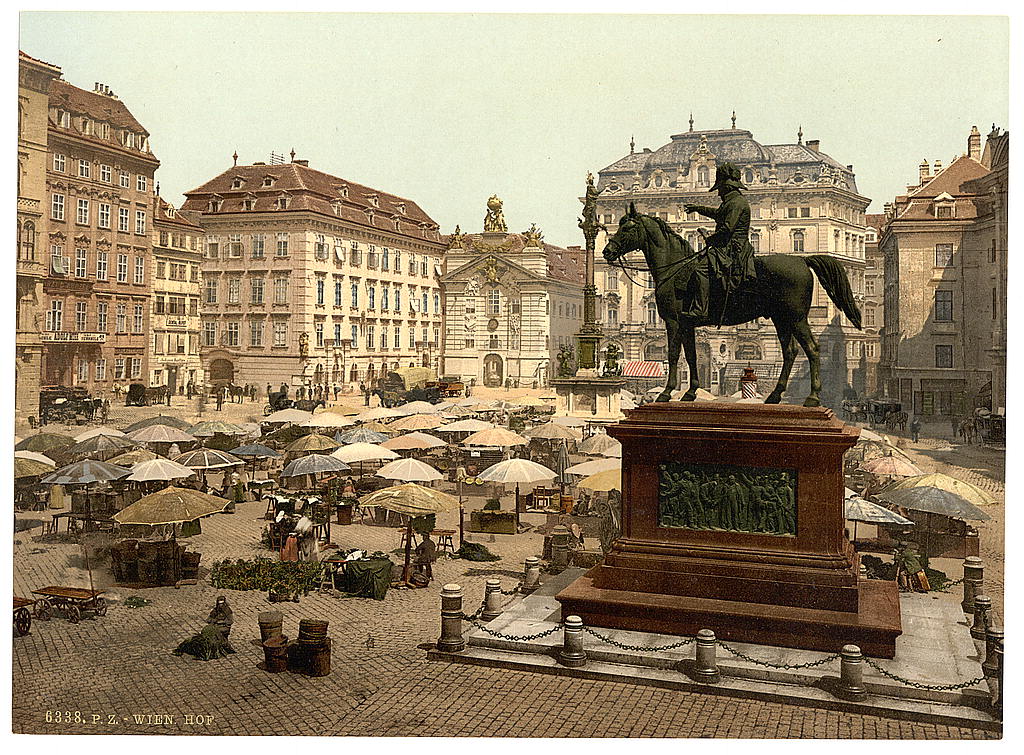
(238, 182)
(249, 203)
(398, 224)
(103, 131)
(945, 206)
(215, 203)
(343, 190)
(702, 175)
(128, 139)
(369, 216)
(87, 128)
(281, 203)
(268, 181)
(401, 207)
(64, 119)
(374, 200)
(336, 208)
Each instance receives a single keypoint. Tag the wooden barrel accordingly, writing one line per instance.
(312, 632)
(275, 655)
(270, 624)
(318, 659)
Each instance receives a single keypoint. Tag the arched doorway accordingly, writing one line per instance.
(222, 371)
(494, 371)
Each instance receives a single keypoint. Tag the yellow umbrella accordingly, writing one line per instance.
(971, 493)
(30, 468)
(528, 401)
(496, 436)
(417, 422)
(172, 505)
(610, 479)
(344, 411)
(311, 443)
(891, 466)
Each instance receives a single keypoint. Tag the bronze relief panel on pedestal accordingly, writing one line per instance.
(756, 500)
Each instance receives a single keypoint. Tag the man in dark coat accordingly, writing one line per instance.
(730, 257)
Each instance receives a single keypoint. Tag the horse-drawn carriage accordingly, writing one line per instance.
(886, 412)
(450, 387)
(279, 400)
(407, 385)
(67, 405)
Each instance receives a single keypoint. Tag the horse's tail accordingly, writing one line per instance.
(833, 279)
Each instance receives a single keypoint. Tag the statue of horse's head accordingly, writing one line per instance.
(627, 238)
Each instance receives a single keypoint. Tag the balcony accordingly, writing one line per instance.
(66, 336)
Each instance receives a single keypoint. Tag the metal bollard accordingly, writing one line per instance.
(572, 653)
(492, 601)
(451, 640)
(982, 605)
(974, 577)
(705, 668)
(851, 674)
(531, 575)
(993, 639)
(559, 549)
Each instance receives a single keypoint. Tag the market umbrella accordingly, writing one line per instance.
(214, 427)
(890, 466)
(160, 419)
(159, 469)
(378, 427)
(293, 416)
(255, 451)
(172, 505)
(380, 412)
(873, 449)
(417, 407)
(413, 500)
(128, 458)
(327, 419)
(934, 500)
(36, 456)
(409, 470)
(495, 436)
(417, 422)
(363, 452)
(627, 403)
(517, 471)
(613, 452)
(93, 432)
(85, 472)
(314, 464)
(857, 509)
(610, 479)
(866, 434)
(569, 421)
(413, 441)
(30, 468)
(208, 458)
(971, 493)
(363, 435)
(100, 447)
(528, 401)
(594, 466)
(553, 431)
(311, 443)
(45, 442)
(465, 426)
(343, 410)
(597, 443)
(160, 434)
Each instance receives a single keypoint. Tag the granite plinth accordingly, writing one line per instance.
(588, 396)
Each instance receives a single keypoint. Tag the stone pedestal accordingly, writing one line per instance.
(732, 520)
(589, 397)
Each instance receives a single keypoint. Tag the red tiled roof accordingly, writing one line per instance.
(100, 107)
(160, 216)
(26, 56)
(874, 220)
(951, 179)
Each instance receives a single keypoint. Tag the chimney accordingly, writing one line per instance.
(96, 86)
(814, 145)
(922, 170)
(974, 144)
(938, 167)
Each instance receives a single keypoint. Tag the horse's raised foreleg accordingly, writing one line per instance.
(690, 348)
(674, 342)
(789, 349)
(803, 334)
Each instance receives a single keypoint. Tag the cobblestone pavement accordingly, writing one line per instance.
(116, 674)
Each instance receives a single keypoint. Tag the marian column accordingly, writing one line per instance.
(590, 334)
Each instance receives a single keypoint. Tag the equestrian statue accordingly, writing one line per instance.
(725, 284)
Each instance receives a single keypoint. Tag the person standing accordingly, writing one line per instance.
(220, 399)
(915, 428)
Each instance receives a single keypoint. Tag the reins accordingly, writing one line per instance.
(654, 271)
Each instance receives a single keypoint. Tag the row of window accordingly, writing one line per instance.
(105, 173)
(230, 336)
(83, 214)
(123, 320)
(79, 267)
(124, 368)
(175, 305)
(389, 298)
(176, 271)
(179, 240)
(89, 127)
(174, 343)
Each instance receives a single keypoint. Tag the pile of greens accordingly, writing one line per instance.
(476, 552)
(284, 577)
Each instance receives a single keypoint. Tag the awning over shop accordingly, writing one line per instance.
(640, 368)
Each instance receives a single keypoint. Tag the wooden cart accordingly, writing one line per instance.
(71, 601)
(22, 616)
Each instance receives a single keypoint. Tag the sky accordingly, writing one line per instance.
(447, 110)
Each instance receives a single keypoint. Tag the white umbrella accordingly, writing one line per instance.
(569, 421)
(553, 431)
(363, 452)
(495, 436)
(380, 412)
(293, 416)
(327, 419)
(517, 470)
(417, 407)
(35, 456)
(594, 466)
(98, 431)
(160, 434)
(409, 470)
(413, 441)
(465, 426)
(615, 452)
(597, 443)
(159, 469)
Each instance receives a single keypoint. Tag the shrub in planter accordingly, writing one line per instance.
(492, 504)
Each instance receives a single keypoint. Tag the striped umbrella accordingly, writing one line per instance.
(256, 451)
(160, 419)
(311, 443)
(208, 458)
(363, 435)
(160, 434)
(85, 472)
(100, 447)
(159, 469)
(314, 464)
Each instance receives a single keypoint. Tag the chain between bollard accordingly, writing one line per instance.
(513, 637)
(784, 666)
(639, 648)
(946, 587)
(918, 685)
(513, 591)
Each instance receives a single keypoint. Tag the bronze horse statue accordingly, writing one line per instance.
(781, 292)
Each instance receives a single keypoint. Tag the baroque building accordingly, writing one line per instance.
(34, 80)
(802, 202)
(99, 205)
(945, 247)
(310, 278)
(872, 308)
(511, 302)
(177, 260)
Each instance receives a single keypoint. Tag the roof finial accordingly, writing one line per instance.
(158, 188)
(632, 145)
(293, 154)
(235, 158)
(800, 135)
(691, 121)
(734, 119)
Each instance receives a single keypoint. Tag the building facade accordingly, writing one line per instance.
(177, 260)
(511, 302)
(34, 80)
(309, 278)
(99, 204)
(945, 248)
(872, 308)
(802, 202)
